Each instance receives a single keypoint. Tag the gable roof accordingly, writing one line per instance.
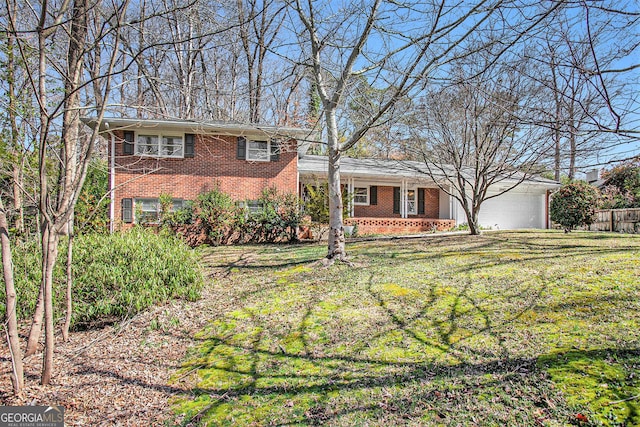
(394, 170)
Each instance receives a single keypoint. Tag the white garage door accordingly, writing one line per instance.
(514, 210)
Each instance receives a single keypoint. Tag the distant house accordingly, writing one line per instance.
(593, 178)
(148, 158)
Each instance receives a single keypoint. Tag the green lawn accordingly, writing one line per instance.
(505, 329)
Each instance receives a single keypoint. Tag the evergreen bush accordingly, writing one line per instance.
(115, 276)
(574, 205)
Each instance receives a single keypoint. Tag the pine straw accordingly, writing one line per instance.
(118, 375)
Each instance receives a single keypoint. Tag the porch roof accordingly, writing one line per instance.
(392, 170)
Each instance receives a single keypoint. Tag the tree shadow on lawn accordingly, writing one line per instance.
(352, 390)
(387, 354)
(248, 370)
(504, 249)
(238, 259)
(606, 381)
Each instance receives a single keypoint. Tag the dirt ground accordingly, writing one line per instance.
(117, 375)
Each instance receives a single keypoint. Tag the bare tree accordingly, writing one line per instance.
(259, 24)
(395, 46)
(577, 110)
(56, 204)
(595, 70)
(11, 323)
(475, 136)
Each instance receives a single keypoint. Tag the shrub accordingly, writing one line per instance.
(574, 205)
(92, 209)
(316, 203)
(115, 275)
(210, 219)
(215, 219)
(622, 186)
(276, 220)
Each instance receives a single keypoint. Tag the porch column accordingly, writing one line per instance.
(403, 199)
(351, 189)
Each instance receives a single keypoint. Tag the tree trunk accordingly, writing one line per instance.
(50, 240)
(474, 227)
(336, 245)
(557, 118)
(13, 340)
(572, 146)
(471, 213)
(336, 230)
(17, 175)
(557, 141)
(68, 296)
(36, 325)
(17, 172)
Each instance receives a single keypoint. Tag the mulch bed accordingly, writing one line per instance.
(118, 375)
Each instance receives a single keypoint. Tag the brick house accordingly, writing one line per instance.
(148, 158)
(393, 196)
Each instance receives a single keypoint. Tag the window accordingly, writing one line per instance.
(258, 151)
(252, 206)
(148, 210)
(411, 202)
(171, 146)
(160, 145)
(361, 195)
(147, 145)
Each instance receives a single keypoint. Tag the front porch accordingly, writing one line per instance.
(383, 197)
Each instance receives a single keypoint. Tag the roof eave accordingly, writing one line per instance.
(108, 124)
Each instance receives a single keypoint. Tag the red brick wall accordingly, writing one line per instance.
(431, 203)
(214, 163)
(384, 208)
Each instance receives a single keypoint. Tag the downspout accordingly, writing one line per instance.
(112, 180)
(546, 209)
(298, 188)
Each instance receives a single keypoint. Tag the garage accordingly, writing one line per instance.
(525, 208)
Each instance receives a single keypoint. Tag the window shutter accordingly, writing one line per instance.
(127, 211)
(396, 200)
(373, 195)
(127, 145)
(189, 145)
(241, 153)
(275, 151)
(420, 201)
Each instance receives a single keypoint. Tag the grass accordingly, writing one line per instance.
(508, 328)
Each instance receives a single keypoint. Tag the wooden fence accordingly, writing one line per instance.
(622, 220)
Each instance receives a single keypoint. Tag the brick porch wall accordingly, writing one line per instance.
(214, 163)
(400, 225)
